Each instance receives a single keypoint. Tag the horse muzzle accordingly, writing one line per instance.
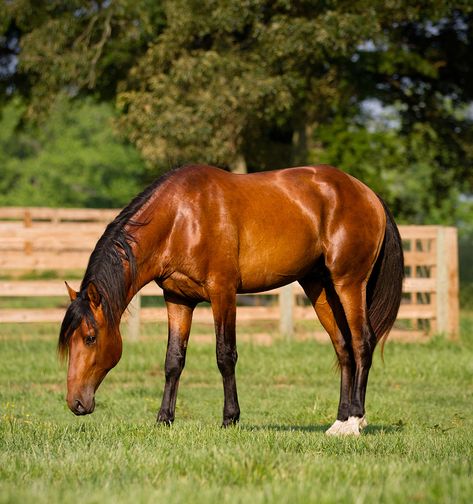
(81, 405)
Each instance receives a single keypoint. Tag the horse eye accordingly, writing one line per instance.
(90, 340)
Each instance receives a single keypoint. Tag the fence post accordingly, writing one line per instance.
(134, 318)
(453, 287)
(27, 218)
(286, 307)
(442, 282)
(447, 282)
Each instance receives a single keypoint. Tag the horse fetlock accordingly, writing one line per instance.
(343, 412)
(356, 410)
(165, 417)
(231, 413)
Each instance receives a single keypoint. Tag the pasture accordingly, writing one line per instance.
(418, 446)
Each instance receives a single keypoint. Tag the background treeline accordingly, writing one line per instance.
(98, 98)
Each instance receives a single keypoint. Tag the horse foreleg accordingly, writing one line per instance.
(224, 312)
(179, 324)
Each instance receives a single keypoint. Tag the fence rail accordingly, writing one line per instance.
(61, 240)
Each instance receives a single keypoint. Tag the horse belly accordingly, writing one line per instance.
(269, 260)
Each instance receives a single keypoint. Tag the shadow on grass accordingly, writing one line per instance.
(383, 429)
(370, 430)
(286, 428)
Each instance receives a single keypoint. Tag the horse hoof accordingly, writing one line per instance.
(334, 430)
(167, 423)
(229, 422)
(164, 419)
(350, 427)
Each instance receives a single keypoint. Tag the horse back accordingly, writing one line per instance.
(267, 229)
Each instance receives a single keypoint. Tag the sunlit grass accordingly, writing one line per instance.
(418, 446)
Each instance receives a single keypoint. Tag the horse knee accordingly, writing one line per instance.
(174, 364)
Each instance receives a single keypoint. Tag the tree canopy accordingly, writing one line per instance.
(73, 160)
(382, 89)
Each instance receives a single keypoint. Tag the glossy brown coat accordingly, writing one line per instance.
(204, 234)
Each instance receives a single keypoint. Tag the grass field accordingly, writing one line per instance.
(417, 448)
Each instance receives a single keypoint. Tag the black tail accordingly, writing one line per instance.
(384, 289)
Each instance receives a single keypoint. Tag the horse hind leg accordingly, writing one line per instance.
(330, 313)
(363, 341)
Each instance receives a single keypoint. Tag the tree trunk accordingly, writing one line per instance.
(300, 144)
(239, 164)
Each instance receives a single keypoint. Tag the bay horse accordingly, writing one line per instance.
(204, 234)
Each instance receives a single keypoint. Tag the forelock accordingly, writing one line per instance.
(78, 310)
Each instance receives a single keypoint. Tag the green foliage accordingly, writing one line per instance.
(417, 64)
(74, 159)
(262, 84)
(406, 170)
(466, 253)
(224, 73)
(79, 46)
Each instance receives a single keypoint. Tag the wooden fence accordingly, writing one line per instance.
(41, 240)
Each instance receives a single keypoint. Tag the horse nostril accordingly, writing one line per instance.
(79, 408)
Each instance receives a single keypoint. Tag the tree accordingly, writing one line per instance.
(418, 65)
(77, 47)
(225, 78)
(415, 68)
(267, 83)
(72, 160)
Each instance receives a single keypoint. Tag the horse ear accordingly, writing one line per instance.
(72, 293)
(93, 295)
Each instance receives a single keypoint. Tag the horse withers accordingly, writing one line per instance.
(204, 234)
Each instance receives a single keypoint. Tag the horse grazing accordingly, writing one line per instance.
(204, 234)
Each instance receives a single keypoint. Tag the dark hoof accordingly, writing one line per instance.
(165, 419)
(228, 422)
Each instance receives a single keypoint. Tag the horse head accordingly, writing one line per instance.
(93, 344)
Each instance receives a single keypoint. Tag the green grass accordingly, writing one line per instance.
(417, 448)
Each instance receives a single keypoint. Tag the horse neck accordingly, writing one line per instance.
(144, 275)
(146, 246)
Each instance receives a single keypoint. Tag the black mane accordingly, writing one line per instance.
(106, 271)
